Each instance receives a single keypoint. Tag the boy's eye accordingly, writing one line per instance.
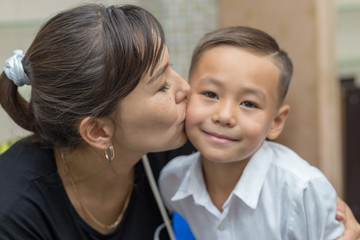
(249, 104)
(164, 87)
(210, 95)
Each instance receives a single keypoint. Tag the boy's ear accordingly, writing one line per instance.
(279, 122)
(97, 132)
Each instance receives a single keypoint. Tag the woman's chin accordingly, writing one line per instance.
(174, 144)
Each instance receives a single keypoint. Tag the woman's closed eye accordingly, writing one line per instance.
(164, 87)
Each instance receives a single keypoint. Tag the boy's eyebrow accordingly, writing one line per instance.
(256, 92)
(158, 73)
(246, 90)
(212, 81)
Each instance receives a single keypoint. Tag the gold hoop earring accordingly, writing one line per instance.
(110, 153)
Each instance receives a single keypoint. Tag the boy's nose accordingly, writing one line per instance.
(225, 115)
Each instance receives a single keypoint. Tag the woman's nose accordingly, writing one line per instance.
(225, 115)
(183, 91)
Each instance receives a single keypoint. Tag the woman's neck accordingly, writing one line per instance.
(98, 189)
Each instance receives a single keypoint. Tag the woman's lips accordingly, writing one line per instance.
(219, 138)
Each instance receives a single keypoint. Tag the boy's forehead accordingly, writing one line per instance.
(212, 54)
(237, 63)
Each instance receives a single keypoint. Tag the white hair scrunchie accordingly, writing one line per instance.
(14, 69)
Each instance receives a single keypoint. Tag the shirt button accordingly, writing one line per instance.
(221, 227)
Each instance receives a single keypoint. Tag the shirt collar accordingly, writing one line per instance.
(248, 187)
(193, 183)
(252, 179)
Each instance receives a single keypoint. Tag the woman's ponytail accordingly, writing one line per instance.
(10, 99)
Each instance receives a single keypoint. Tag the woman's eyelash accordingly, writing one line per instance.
(164, 87)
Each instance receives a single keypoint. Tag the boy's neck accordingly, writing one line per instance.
(221, 178)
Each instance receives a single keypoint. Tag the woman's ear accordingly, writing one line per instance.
(279, 122)
(97, 132)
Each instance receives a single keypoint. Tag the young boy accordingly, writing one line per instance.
(240, 185)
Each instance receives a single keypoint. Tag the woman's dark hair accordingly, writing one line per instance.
(250, 39)
(81, 63)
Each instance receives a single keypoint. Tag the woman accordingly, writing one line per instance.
(103, 95)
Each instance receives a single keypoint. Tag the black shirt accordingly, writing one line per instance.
(34, 204)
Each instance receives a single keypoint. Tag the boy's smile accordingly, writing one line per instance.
(219, 138)
(233, 105)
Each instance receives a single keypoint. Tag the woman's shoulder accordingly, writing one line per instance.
(22, 166)
(25, 157)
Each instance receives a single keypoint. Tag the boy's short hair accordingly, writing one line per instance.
(253, 40)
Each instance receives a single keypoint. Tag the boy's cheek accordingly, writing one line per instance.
(189, 118)
(192, 116)
(196, 111)
(191, 105)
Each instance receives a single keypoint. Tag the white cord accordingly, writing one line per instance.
(157, 196)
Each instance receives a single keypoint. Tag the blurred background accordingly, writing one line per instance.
(321, 36)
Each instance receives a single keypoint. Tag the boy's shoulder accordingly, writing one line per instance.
(289, 162)
(179, 166)
(176, 174)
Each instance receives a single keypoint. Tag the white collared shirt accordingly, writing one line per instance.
(279, 196)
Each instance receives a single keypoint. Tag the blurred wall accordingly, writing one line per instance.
(348, 38)
(305, 29)
(184, 23)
